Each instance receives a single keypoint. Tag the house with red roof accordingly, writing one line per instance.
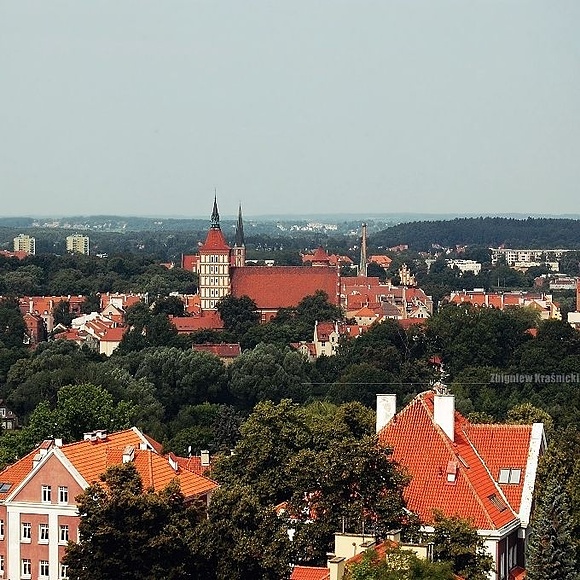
(485, 473)
(226, 352)
(538, 301)
(38, 514)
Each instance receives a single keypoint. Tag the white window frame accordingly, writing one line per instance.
(1, 529)
(2, 564)
(63, 534)
(26, 532)
(46, 494)
(26, 568)
(43, 569)
(43, 533)
(63, 572)
(62, 494)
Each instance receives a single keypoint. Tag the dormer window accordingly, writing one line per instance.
(510, 476)
(451, 472)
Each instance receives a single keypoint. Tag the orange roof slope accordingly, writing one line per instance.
(274, 287)
(427, 453)
(309, 573)
(215, 241)
(92, 458)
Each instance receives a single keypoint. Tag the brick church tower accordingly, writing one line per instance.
(214, 264)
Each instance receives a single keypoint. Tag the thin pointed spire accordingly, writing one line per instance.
(215, 216)
(239, 241)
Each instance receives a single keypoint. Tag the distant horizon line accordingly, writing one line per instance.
(341, 216)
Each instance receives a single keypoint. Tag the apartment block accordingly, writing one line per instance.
(24, 243)
(77, 243)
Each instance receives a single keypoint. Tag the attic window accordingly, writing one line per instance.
(497, 502)
(4, 487)
(510, 476)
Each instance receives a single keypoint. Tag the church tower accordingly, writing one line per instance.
(239, 250)
(214, 264)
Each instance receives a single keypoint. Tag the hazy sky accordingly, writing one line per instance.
(136, 107)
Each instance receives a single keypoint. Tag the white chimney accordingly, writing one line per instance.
(336, 566)
(444, 413)
(128, 453)
(386, 409)
(204, 458)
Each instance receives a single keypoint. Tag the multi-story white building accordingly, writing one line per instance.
(24, 243)
(465, 266)
(77, 243)
(521, 258)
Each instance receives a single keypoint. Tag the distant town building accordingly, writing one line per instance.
(24, 243)
(538, 301)
(407, 279)
(521, 259)
(465, 266)
(77, 243)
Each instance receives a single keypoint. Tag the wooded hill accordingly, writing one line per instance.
(483, 231)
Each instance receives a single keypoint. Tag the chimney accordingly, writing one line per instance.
(128, 453)
(58, 442)
(336, 566)
(386, 409)
(444, 413)
(205, 458)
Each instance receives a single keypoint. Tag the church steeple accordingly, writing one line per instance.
(239, 250)
(239, 241)
(215, 216)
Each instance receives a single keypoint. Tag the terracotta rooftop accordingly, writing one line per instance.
(274, 287)
(475, 456)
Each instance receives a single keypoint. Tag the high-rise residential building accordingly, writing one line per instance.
(24, 243)
(77, 243)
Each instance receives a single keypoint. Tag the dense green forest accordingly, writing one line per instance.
(483, 231)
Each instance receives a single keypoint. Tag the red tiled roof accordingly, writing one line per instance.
(206, 320)
(215, 241)
(426, 452)
(274, 287)
(91, 459)
(493, 442)
(310, 573)
(221, 350)
(517, 574)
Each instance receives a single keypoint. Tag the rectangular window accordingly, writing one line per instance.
(2, 565)
(510, 476)
(43, 569)
(46, 494)
(63, 535)
(62, 494)
(63, 572)
(43, 534)
(26, 568)
(26, 531)
(1, 529)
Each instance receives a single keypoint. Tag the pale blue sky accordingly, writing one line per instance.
(135, 107)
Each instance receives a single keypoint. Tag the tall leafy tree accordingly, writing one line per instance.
(238, 314)
(456, 541)
(131, 533)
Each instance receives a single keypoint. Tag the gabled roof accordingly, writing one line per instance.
(91, 458)
(275, 287)
(428, 454)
